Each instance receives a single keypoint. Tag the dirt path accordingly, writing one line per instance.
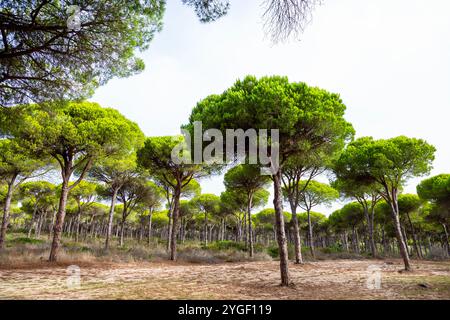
(336, 279)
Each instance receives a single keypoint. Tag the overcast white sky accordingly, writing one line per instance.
(389, 60)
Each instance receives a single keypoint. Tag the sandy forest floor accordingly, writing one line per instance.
(333, 279)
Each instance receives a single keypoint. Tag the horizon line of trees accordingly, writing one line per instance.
(345, 230)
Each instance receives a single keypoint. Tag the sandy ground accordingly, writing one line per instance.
(333, 279)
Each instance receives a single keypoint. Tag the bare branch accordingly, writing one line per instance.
(284, 18)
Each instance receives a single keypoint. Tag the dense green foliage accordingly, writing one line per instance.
(310, 120)
(53, 50)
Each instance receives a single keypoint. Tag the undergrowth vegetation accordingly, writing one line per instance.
(22, 251)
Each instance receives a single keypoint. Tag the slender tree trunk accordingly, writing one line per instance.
(60, 215)
(297, 240)
(205, 228)
(446, 238)
(140, 232)
(413, 231)
(310, 233)
(224, 230)
(369, 220)
(50, 229)
(373, 246)
(210, 233)
(238, 230)
(175, 214)
(398, 231)
(182, 230)
(110, 218)
(122, 229)
(357, 240)
(33, 218)
(280, 231)
(245, 229)
(346, 241)
(219, 231)
(385, 242)
(150, 226)
(6, 211)
(186, 231)
(420, 244)
(41, 221)
(68, 227)
(77, 225)
(405, 237)
(250, 229)
(170, 226)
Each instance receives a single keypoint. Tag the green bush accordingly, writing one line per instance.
(335, 248)
(225, 245)
(274, 253)
(24, 240)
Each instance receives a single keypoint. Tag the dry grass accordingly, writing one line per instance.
(139, 271)
(22, 253)
(337, 279)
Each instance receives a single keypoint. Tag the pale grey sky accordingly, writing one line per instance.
(389, 60)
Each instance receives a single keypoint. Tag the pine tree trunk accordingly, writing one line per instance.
(420, 244)
(170, 227)
(238, 231)
(369, 220)
(122, 229)
(175, 214)
(297, 240)
(346, 241)
(357, 241)
(77, 225)
(150, 226)
(250, 229)
(280, 231)
(225, 232)
(413, 231)
(211, 228)
(205, 229)
(245, 233)
(6, 211)
(385, 242)
(405, 237)
(68, 227)
(310, 233)
(398, 231)
(50, 229)
(109, 228)
(42, 218)
(446, 238)
(60, 215)
(33, 218)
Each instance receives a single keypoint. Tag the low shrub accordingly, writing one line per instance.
(273, 251)
(336, 248)
(195, 255)
(25, 240)
(225, 245)
(198, 255)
